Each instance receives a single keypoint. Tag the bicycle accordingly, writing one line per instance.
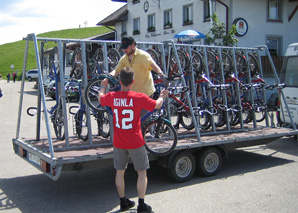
(80, 117)
(56, 111)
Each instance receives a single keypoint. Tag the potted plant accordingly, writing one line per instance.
(151, 29)
(168, 25)
(187, 22)
(135, 32)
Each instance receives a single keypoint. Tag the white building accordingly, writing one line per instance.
(259, 22)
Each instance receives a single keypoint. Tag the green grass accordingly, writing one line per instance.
(13, 53)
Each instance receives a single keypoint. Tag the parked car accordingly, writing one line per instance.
(32, 74)
(71, 89)
(51, 90)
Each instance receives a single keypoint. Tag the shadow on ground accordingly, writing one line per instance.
(94, 191)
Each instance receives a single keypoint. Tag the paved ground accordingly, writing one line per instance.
(256, 179)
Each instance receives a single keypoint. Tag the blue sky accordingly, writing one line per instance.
(21, 17)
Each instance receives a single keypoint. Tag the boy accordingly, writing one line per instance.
(128, 139)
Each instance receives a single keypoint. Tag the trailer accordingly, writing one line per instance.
(197, 150)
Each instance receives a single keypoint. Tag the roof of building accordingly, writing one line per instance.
(118, 15)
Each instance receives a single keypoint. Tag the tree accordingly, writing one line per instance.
(217, 34)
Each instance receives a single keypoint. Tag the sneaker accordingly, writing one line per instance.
(144, 208)
(126, 205)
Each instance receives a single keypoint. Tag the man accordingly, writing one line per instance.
(142, 64)
(128, 139)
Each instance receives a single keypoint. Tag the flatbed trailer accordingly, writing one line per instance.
(100, 154)
(196, 150)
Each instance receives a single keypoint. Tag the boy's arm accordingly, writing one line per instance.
(159, 101)
(102, 90)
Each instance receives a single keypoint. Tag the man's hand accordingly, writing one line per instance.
(164, 93)
(164, 79)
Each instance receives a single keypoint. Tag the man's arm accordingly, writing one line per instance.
(159, 101)
(114, 73)
(162, 76)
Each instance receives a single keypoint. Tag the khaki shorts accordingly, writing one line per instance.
(138, 156)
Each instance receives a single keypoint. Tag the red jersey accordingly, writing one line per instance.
(126, 107)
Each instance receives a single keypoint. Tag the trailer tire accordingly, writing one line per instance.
(182, 167)
(209, 162)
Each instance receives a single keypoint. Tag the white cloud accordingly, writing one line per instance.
(21, 17)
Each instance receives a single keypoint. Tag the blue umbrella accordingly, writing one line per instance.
(189, 34)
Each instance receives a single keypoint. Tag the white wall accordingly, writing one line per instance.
(253, 11)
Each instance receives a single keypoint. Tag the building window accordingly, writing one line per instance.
(274, 45)
(123, 29)
(136, 26)
(207, 14)
(187, 15)
(167, 17)
(274, 10)
(151, 23)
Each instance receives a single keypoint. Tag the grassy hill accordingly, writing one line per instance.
(13, 53)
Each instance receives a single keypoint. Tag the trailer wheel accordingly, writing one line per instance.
(209, 162)
(183, 167)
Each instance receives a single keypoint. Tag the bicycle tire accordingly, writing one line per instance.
(247, 112)
(253, 65)
(153, 55)
(260, 115)
(220, 118)
(77, 64)
(187, 121)
(227, 64)
(160, 136)
(175, 116)
(204, 121)
(197, 63)
(103, 123)
(240, 63)
(114, 57)
(81, 124)
(92, 90)
(58, 122)
(52, 62)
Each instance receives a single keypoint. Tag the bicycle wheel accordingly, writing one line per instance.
(253, 65)
(81, 124)
(77, 64)
(247, 111)
(175, 116)
(204, 120)
(103, 123)
(113, 58)
(227, 63)
(260, 109)
(197, 63)
(174, 70)
(219, 118)
(58, 122)
(212, 63)
(153, 55)
(187, 121)
(240, 63)
(53, 61)
(92, 90)
(97, 62)
(160, 136)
